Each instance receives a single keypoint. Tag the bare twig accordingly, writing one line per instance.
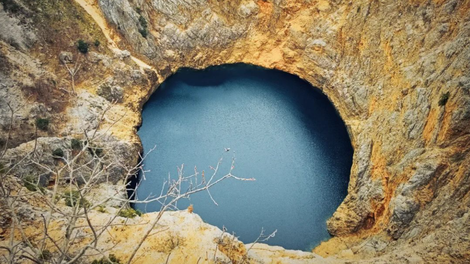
(262, 238)
(72, 72)
(79, 173)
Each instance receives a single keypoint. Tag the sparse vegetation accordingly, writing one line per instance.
(144, 26)
(101, 208)
(72, 181)
(98, 152)
(142, 21)
(30, 182)
(112, 259)
(58, 152)
(457, 157)
(129, 213)
(72, 198)
(45, 255)
(97, 43)
(444, 98)
(42, 123)
(10, 6)
(82, 46)
(144, 32)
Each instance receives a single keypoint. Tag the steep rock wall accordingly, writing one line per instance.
(385, 66)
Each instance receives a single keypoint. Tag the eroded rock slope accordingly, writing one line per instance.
(398, 73)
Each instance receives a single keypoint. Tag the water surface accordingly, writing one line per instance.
(280, 129)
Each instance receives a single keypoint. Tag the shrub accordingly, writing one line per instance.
(75, 144)
(143, 23)
(72, 198)
(101, 209)
(112, 260)
(58, 152)
(82, 46)
(97, 43)
(98, 152)
(110, 93)
(30, 182)
(42, 123)
(444, 98)
(129, 213)
(45, 255)
(144, 32)
(10, 6)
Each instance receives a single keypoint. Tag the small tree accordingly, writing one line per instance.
(42, 123)
(82, 46)
(443, 99)
(143, 30)
(58, 152)
(75, 144)
(76, 67)
(74, 179)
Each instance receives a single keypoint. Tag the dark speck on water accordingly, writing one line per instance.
(281, 130)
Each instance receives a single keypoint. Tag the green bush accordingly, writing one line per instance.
(30, 182)
(82, 46)
(101, 209)
(58, 152)
(10, 6)
(129, 213)
(72, 198)
(444, 98)
(42, 123)
(144, 32)
(143, 23)
(97, 43)
(112, 258)
(75, 144)
(97, 151)
(45, 255)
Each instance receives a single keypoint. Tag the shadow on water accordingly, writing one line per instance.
(283, 132)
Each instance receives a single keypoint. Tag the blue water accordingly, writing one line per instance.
(281, 131)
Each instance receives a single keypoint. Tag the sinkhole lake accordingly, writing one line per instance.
(281, 131)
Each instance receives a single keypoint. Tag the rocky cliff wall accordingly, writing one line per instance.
(386, 66)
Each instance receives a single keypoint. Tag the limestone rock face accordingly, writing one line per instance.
(13, 33)
(388, 68)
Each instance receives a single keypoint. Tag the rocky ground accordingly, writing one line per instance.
(398, 73)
